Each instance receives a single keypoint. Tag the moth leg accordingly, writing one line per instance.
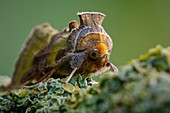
(46, 76)
(113, 67)
(51, 66)
(70, 76)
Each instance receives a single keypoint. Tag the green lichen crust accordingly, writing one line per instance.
(141, 86)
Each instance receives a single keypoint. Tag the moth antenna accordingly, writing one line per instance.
(93, 19)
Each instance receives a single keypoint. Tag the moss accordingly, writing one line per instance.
(141, 86)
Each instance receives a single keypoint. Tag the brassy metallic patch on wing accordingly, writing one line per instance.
(93, 39)
(56, 46)
(39, 38)
(44, 58)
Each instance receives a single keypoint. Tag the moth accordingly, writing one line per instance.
(81, 49)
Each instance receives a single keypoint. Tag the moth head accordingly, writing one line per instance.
(98, 56)
(98, 52)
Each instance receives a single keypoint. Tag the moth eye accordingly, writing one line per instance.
(94, 54)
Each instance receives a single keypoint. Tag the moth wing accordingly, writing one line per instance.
(38, 39)
(46, 57)
(56, 48)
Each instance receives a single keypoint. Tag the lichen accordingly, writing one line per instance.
(141, 86)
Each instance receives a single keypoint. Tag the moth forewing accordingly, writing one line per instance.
(38, 39)
(56, 47)
(42, 66)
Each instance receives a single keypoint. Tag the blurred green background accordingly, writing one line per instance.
(134, 25)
